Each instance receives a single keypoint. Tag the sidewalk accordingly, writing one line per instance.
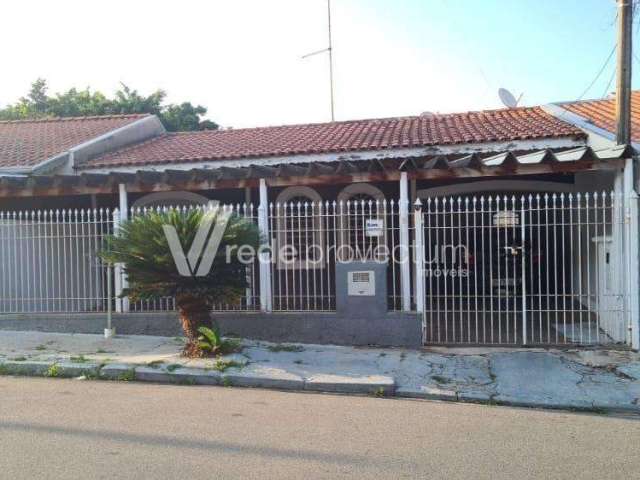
(603, 380)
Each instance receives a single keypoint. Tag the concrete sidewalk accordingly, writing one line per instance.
(589, 379)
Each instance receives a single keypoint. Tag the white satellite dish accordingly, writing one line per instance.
(507, 98)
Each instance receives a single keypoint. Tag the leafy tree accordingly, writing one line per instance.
(142, 246)
(78, 103)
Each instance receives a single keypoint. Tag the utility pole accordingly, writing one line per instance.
(623, 84)
(623, 137)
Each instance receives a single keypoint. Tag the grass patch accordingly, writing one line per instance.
(79, 359)
(127, 376)
(173, 367)
(223, 365)
(102, 350)
(283, 347)
(155, 363)
(441, 379)
(230, 345)
(41, 347)
(53, 371)
(19, 359)
(379, 392)
(226, 382)
(3, 370)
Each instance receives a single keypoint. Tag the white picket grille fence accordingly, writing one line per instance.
(529, 269)
(525, 269)
(322, 233)
(49, 260)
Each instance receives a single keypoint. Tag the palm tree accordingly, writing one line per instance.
(142, 246)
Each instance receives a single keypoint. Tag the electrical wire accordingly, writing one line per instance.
(595, 79)
(606, 90)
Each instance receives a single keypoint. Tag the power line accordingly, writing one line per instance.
(606, 90)
(602, 69)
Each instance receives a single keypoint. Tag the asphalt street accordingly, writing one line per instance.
(72, 429)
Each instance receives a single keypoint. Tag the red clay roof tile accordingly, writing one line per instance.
(378, 134)
(25, 143)
(602, 113)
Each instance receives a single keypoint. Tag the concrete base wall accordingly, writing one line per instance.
(392, 329)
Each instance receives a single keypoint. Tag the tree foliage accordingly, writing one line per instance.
(78, 103)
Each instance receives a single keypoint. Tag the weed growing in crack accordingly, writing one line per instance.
(127, 376)
(282, 347)
(155, 363)
(223, 365)
(379, 392)
(441, 379)
(79, 359)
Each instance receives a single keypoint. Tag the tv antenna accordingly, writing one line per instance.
(329, 50)
(508, 99)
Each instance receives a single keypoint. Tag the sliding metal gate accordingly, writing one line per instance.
(530, 269)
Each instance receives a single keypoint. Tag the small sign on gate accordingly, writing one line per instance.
(506, 218)
(373, 227)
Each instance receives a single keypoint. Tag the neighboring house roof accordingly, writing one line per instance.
(26, 143)
(602, 113)
(335, 137)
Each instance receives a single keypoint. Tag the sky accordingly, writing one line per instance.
(242, 58)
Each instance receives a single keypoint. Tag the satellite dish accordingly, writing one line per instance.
(507, 98)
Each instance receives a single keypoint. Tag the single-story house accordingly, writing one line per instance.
(513, 226)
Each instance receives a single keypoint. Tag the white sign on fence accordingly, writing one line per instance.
(374, 227)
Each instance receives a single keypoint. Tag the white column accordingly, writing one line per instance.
(419, 256)
(264, 257)
(122, 305)
(404, 257)
(632, 245)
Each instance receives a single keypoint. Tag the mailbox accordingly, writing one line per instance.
(361, 283)
(361, 289)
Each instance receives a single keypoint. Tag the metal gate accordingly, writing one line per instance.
(533, 269)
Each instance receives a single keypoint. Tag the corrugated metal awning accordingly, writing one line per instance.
(342, 171)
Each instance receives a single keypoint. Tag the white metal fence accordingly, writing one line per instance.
(517, 269)
(308, 238)
(48, 261)
(526, 269)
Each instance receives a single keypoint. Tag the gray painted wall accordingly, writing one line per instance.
(393, 329)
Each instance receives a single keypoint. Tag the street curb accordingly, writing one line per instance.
(376, 385)
(427, 393)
